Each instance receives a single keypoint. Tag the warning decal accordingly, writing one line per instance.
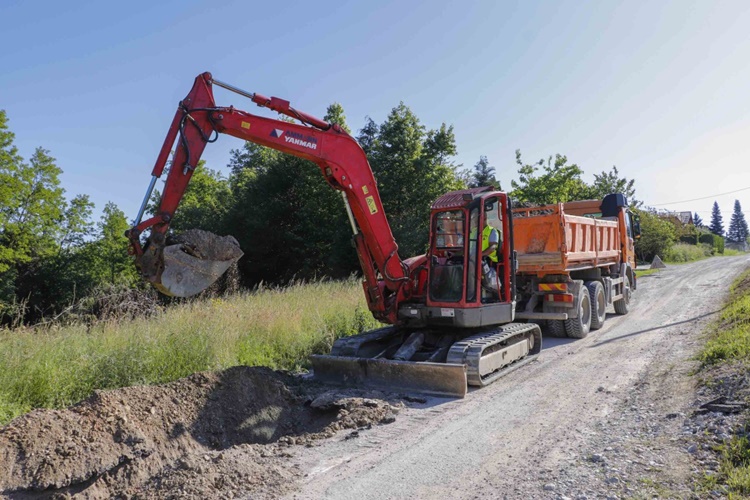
(371, 203)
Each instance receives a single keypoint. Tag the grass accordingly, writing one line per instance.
(729, 342)
(682, 252)
(729, 339)
(733, 475)
(645, 272)
(278, 328)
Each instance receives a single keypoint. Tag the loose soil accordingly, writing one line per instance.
(208, 246)
(210, 435)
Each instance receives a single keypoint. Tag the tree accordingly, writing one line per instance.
(657, 235)
(611, 182)
(717, 224)
(287, 219)
(484, 175)
(10, 164)
(32, 212)
(335, 115)
(34, 208)
(205, 202)
(697, 221)
(412, 168)
(76, 223)
(368, 135)
(558, 182)
(114, 263)
(738, 230)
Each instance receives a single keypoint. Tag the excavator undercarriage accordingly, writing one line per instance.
(435, 362)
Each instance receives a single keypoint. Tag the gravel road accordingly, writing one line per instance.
(601, 417)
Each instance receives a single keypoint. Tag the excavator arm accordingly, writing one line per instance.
(341, 160)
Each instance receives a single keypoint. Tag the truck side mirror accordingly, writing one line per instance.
(636, 220)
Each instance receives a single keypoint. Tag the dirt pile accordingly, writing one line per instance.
(211, 435)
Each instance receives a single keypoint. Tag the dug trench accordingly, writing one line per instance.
(210, 435)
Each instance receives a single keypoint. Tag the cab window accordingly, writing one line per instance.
(450, 230)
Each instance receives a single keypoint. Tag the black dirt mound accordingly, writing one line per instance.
(210, 435)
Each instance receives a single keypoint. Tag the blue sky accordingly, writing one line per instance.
(659, 89)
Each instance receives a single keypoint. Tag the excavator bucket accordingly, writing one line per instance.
(197, 260)
(436, 379)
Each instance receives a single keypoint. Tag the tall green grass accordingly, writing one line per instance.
(729, 339)
(278, 328)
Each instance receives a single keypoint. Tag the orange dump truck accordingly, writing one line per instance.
(574, 259)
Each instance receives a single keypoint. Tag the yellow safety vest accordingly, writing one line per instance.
(486, 242)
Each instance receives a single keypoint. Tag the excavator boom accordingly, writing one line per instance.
(341, 160)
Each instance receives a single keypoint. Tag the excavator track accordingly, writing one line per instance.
(490, 355)
(477, 360)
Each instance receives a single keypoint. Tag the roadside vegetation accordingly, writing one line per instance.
(730, 336)
(728, 347)
(53, 367)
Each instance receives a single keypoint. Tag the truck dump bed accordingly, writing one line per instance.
(549, 241)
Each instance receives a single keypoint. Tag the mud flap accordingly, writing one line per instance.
(436, 379)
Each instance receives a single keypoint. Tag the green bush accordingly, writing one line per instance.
(690, 239)
(717, 242)
(657, 236)
(682, 252)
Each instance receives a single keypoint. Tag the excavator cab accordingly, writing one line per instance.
(465, 289)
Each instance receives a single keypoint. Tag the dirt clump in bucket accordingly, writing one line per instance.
(206, 245)
(211, 435)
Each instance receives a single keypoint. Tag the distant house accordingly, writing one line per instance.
(677, 218)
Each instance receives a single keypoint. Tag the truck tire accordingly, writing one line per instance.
(556, 328)
(578, 328)
(622, 306)
(598, 304)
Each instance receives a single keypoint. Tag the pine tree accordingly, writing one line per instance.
(484, 175)
(738, 230)
(697, 221)
(717, 223)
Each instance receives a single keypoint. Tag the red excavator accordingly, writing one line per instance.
(451, 311)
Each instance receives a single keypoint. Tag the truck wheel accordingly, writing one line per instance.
(598, 304)
(556, 328)
(622, 306)
(578, 328)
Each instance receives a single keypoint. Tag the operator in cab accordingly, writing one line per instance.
(490, 245)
